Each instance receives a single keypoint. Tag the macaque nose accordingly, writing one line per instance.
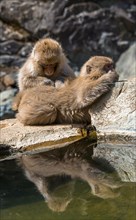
(49, 69)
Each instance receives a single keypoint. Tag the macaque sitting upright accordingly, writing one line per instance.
(46, 65)
(68, 104)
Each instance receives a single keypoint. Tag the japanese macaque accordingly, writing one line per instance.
(46, 65)
(59, 169)
(68, 104)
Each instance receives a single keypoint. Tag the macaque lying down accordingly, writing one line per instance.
(70, 104)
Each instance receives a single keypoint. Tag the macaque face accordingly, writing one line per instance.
(49, 69)
(103, 64)
(47, 53)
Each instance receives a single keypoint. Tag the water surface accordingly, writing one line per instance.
(64, 184)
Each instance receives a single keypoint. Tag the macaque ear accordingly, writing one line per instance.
(88, 69)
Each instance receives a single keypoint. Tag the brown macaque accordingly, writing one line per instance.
(68, 104)
(46, 65)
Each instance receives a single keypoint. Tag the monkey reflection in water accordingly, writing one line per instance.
(59, 167)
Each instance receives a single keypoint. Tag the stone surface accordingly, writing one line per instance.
(10, 47)
(6, 98)
(116, 111)
(18, 137)
(121, 157)
(126, 64)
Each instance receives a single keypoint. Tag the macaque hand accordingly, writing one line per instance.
(59, 84)
(49, 82)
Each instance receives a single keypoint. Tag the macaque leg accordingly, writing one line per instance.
(41, 116)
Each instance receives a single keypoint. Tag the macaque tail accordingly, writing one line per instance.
(16, 101)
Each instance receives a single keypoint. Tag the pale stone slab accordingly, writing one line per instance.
(17, 136)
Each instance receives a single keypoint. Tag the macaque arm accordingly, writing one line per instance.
(36, 81)
(61, 81)
(98, 88)
(65, 75)
(16, 101)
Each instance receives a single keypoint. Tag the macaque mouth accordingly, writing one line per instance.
(49, 69)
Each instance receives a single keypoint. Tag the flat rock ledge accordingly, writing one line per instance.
(22, 138)
(113, 115)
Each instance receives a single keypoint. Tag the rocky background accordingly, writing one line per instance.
(84, 28)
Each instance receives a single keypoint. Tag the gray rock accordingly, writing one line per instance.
(26, 14)
(7, 60)
(18, 62)
(9, 33)
(126, 65)
(10, 47)
(116, 111)
(26, 50)
(13, 61)
(121, 157)
(6, 98)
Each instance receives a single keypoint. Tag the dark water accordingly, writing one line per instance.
(63, 184)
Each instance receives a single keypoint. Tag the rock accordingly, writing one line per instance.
(7, 60)
(26, 15)
(127, 23)
(10, 80)
(18, 62)
(126, 65)
(27, 138)
(2, 87)
(116, 110)
(121, 157)
(106, 43)
(2, 74)
(10, 47)
(13, 61)
(6, 98)
(25, 51)
(9, 33)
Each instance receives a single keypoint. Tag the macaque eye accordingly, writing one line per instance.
(108, 67)
(43, 65)
(51, 65)
(88, 69)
